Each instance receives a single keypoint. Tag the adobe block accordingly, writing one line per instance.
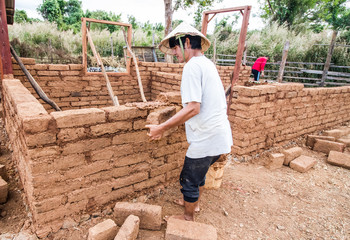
(130, 229)
(303, 163)
(291, 154)
(105, 230)
(339, 159)
(327, 146)
(150, 215)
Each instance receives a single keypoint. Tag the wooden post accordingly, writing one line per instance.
(136, 66)
(214, 51)
(283, 63)
(239, 53)
(112, 48)
(245, 55)
(100, 63)
(329, 58)
(4, 42)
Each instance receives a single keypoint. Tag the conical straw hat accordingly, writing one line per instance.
(182, 29)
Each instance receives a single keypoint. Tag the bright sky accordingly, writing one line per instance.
(149, 10)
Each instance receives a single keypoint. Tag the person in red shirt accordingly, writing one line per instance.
(258, 67)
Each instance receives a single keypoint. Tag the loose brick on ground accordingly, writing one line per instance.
(105, 230)
(275, 161)
(327, 146)
(181, 230)
(150, 215)
(303, 163)
(130, 229)
(339, 159)
(291, 154)
(3, 190)
(345, 140)
(336, 133)
(311, 139)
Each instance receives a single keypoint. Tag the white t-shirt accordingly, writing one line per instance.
(209, 132)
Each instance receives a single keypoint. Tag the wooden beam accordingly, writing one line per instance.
(107, 22)
(239, 54)
(4, 42)
(225, 10)
(329, 57)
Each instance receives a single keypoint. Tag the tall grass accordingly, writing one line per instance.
(42, 41)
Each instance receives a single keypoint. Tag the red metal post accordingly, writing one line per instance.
(4, 42)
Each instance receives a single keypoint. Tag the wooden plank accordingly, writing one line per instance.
(340, 74)
(338, 79)
(100, 63)
(329, 57)
(107, 22)
(226, 10)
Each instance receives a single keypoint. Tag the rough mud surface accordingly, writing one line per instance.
(252, 203)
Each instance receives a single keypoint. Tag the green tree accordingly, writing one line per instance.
(50, 10)
(22, 17)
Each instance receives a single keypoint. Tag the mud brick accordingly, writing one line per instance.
(40, 139)
(303, 163)
(3, 190)
(336, 133)
(170, 97)
(86, 145)
(150, 215)
(130, 137)
(150, 183)
(75, 66)
(58, 67)
(345, 140)
(129, 180)
(161, 115)
(78, 117)
(113, 127)
(105, 230)
(65, 162)
(179, 229)
(123, 113)
(48, 73)
(70, 134)
(130, 229)
(40, 67)
(131, 159)
(311, 139)
(3, 173)
(339, 159)
(326, 146)
(70, 73)
(291, 154)
(43, 152)
(36, 124)
(275, 161)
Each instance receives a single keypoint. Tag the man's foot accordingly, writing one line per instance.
(181, 202)
(180, 217)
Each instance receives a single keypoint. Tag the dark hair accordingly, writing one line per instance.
(195, 41)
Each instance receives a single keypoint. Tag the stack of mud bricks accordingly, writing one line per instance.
(333, 143)
(269, 115)
(76, 161)
(3, 185)
(292, 157)
(134, 216)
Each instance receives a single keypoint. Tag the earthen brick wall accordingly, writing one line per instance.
(69, 88)
(268, 115)
(76, 161)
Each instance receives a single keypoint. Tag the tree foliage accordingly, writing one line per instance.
(22, 17)
(314, 14)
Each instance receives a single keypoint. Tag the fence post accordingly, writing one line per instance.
(112, 48)
(283, 63)
(214, 51)
(328, 60)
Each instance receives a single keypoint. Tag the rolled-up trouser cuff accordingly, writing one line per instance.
(189, 199)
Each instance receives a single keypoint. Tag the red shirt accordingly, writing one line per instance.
(260, 64)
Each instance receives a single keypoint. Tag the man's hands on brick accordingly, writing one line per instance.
(155, 131)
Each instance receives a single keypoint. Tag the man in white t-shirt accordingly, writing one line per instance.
(204, 110)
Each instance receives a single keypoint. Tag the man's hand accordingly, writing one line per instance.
(262, 74)
(155, 131)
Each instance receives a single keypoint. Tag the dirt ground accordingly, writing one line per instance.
(252, 203)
